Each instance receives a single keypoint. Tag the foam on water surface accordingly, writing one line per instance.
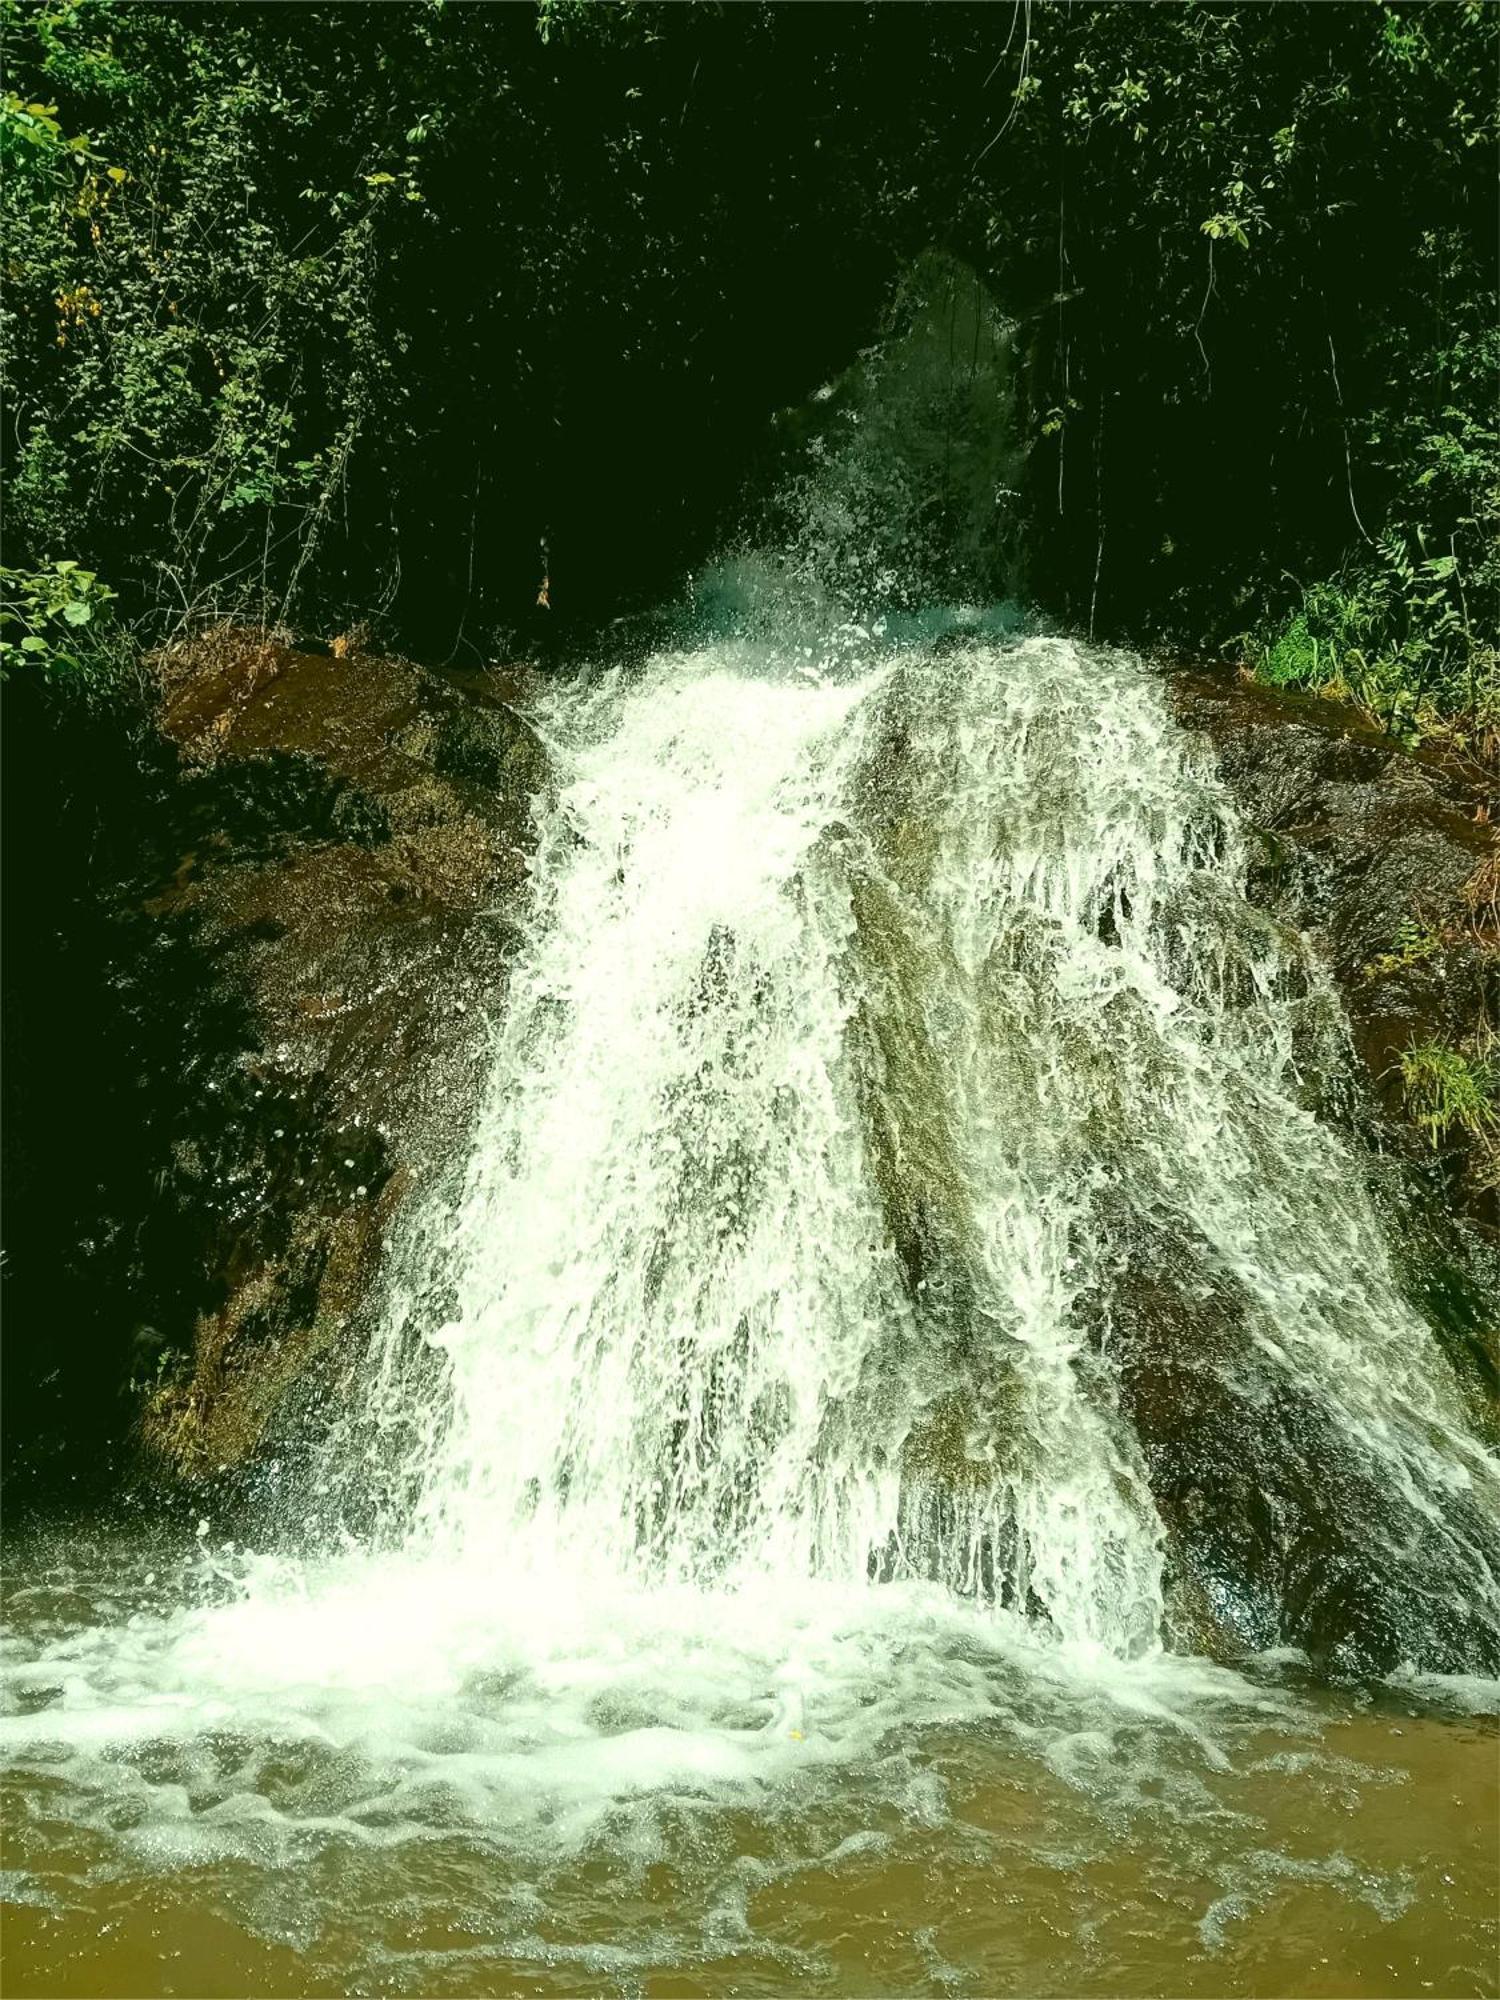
(413, 1774)
(749, 1503)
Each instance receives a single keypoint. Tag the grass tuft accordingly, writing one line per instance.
(1445, 1092)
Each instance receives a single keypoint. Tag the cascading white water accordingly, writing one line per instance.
(902, 1304)
(893, 1166)
(873, 1002)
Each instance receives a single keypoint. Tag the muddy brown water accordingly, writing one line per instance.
(1292, 1840)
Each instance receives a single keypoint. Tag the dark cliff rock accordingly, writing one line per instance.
(300, 894)
(1389, 861)
(1386, 862)
(364, 832)
(1278, 1528)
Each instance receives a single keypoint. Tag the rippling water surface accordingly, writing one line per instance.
(399, 1778)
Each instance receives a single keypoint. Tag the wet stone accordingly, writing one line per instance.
(343, 822)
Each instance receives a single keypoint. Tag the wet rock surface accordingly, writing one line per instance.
(363, 828)
(1279, 1530)
(1386, 862)
(300, 894)
(1389, 861)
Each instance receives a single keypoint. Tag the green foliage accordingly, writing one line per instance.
(31, 140)
(558, 16)
(1393, 632)
(1270, 234)
(45, 616)
(162, 330)
(1414, 944)
(1297, 657)
(306, 304)
(1407, 628)
(1445, 1092)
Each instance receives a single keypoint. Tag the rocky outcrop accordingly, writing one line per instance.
(1389, 861)
(352, 846)
(1386, 862)
(1278, 1528)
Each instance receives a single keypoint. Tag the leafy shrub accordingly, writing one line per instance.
(189, 370)
(45, 615)
(1265, 385)
(1296, 658)
(1394, 633)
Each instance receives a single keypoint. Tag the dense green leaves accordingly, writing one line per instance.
(1270, 388)
(329, 310)
(167, 316)
(42, 613)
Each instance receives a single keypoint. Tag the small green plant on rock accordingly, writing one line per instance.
(1444, 1092)
(1413, 944)
(1392, 633)
(1296, 658)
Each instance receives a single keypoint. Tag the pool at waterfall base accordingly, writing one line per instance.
(413, 1778)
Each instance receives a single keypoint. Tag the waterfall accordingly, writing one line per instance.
(888, 1427)
(905, 1297)
(901, 1133)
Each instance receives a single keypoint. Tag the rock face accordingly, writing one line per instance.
(1274, 1524)
(355, 840)
(1389, 861)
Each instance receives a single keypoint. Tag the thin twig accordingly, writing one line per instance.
(1333, 361)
